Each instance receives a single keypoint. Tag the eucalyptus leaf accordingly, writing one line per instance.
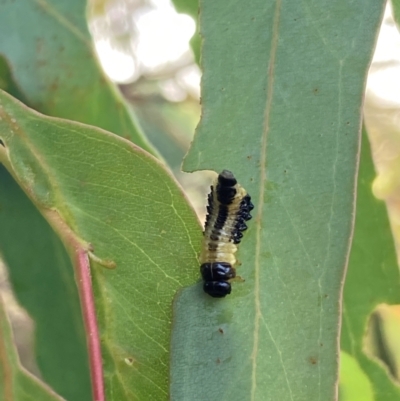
(52, 59)
(354, 383)
(41, 275)
(108, 198)
(282, 91)
(18, 383)
(42, 279)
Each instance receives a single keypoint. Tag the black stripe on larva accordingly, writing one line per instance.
(241, 225)
(221, 218)
(243, 215)
(210, 206)
(225, 195)
(212, 246)
(214, 237)
(216, 274)
(236, 237)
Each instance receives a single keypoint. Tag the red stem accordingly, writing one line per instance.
(89, 317)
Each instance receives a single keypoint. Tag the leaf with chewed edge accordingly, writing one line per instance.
(110, 200)
(282, 91)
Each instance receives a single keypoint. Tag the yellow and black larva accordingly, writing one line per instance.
(229, 206)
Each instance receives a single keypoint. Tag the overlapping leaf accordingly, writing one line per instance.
(17, 383)
(120, 200)
(372, 279)
(42, 278)
(49, 51)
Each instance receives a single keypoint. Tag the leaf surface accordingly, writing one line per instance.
(41, 275)
(42, 278)
(109, 198)
(17, 383)
(354, 383)
(282, 91)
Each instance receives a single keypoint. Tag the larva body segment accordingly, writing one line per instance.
(228, 208)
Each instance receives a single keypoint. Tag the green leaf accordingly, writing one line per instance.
(42, 277)
(16, 382)
(119, 199)
(32, 251)
(382, 338)
(191, 7)
(354, 383)
(7, 82)
(396, 11)
(50, 53)
(282, 91)
(372, 279)
(170, 128)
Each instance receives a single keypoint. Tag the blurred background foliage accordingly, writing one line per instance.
(150, 49)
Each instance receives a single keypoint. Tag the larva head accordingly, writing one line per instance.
(226, 189)
(217, 289)
(227, 179)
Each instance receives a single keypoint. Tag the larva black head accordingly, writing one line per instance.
(227, 179)
(226, 190)
(217, 289)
